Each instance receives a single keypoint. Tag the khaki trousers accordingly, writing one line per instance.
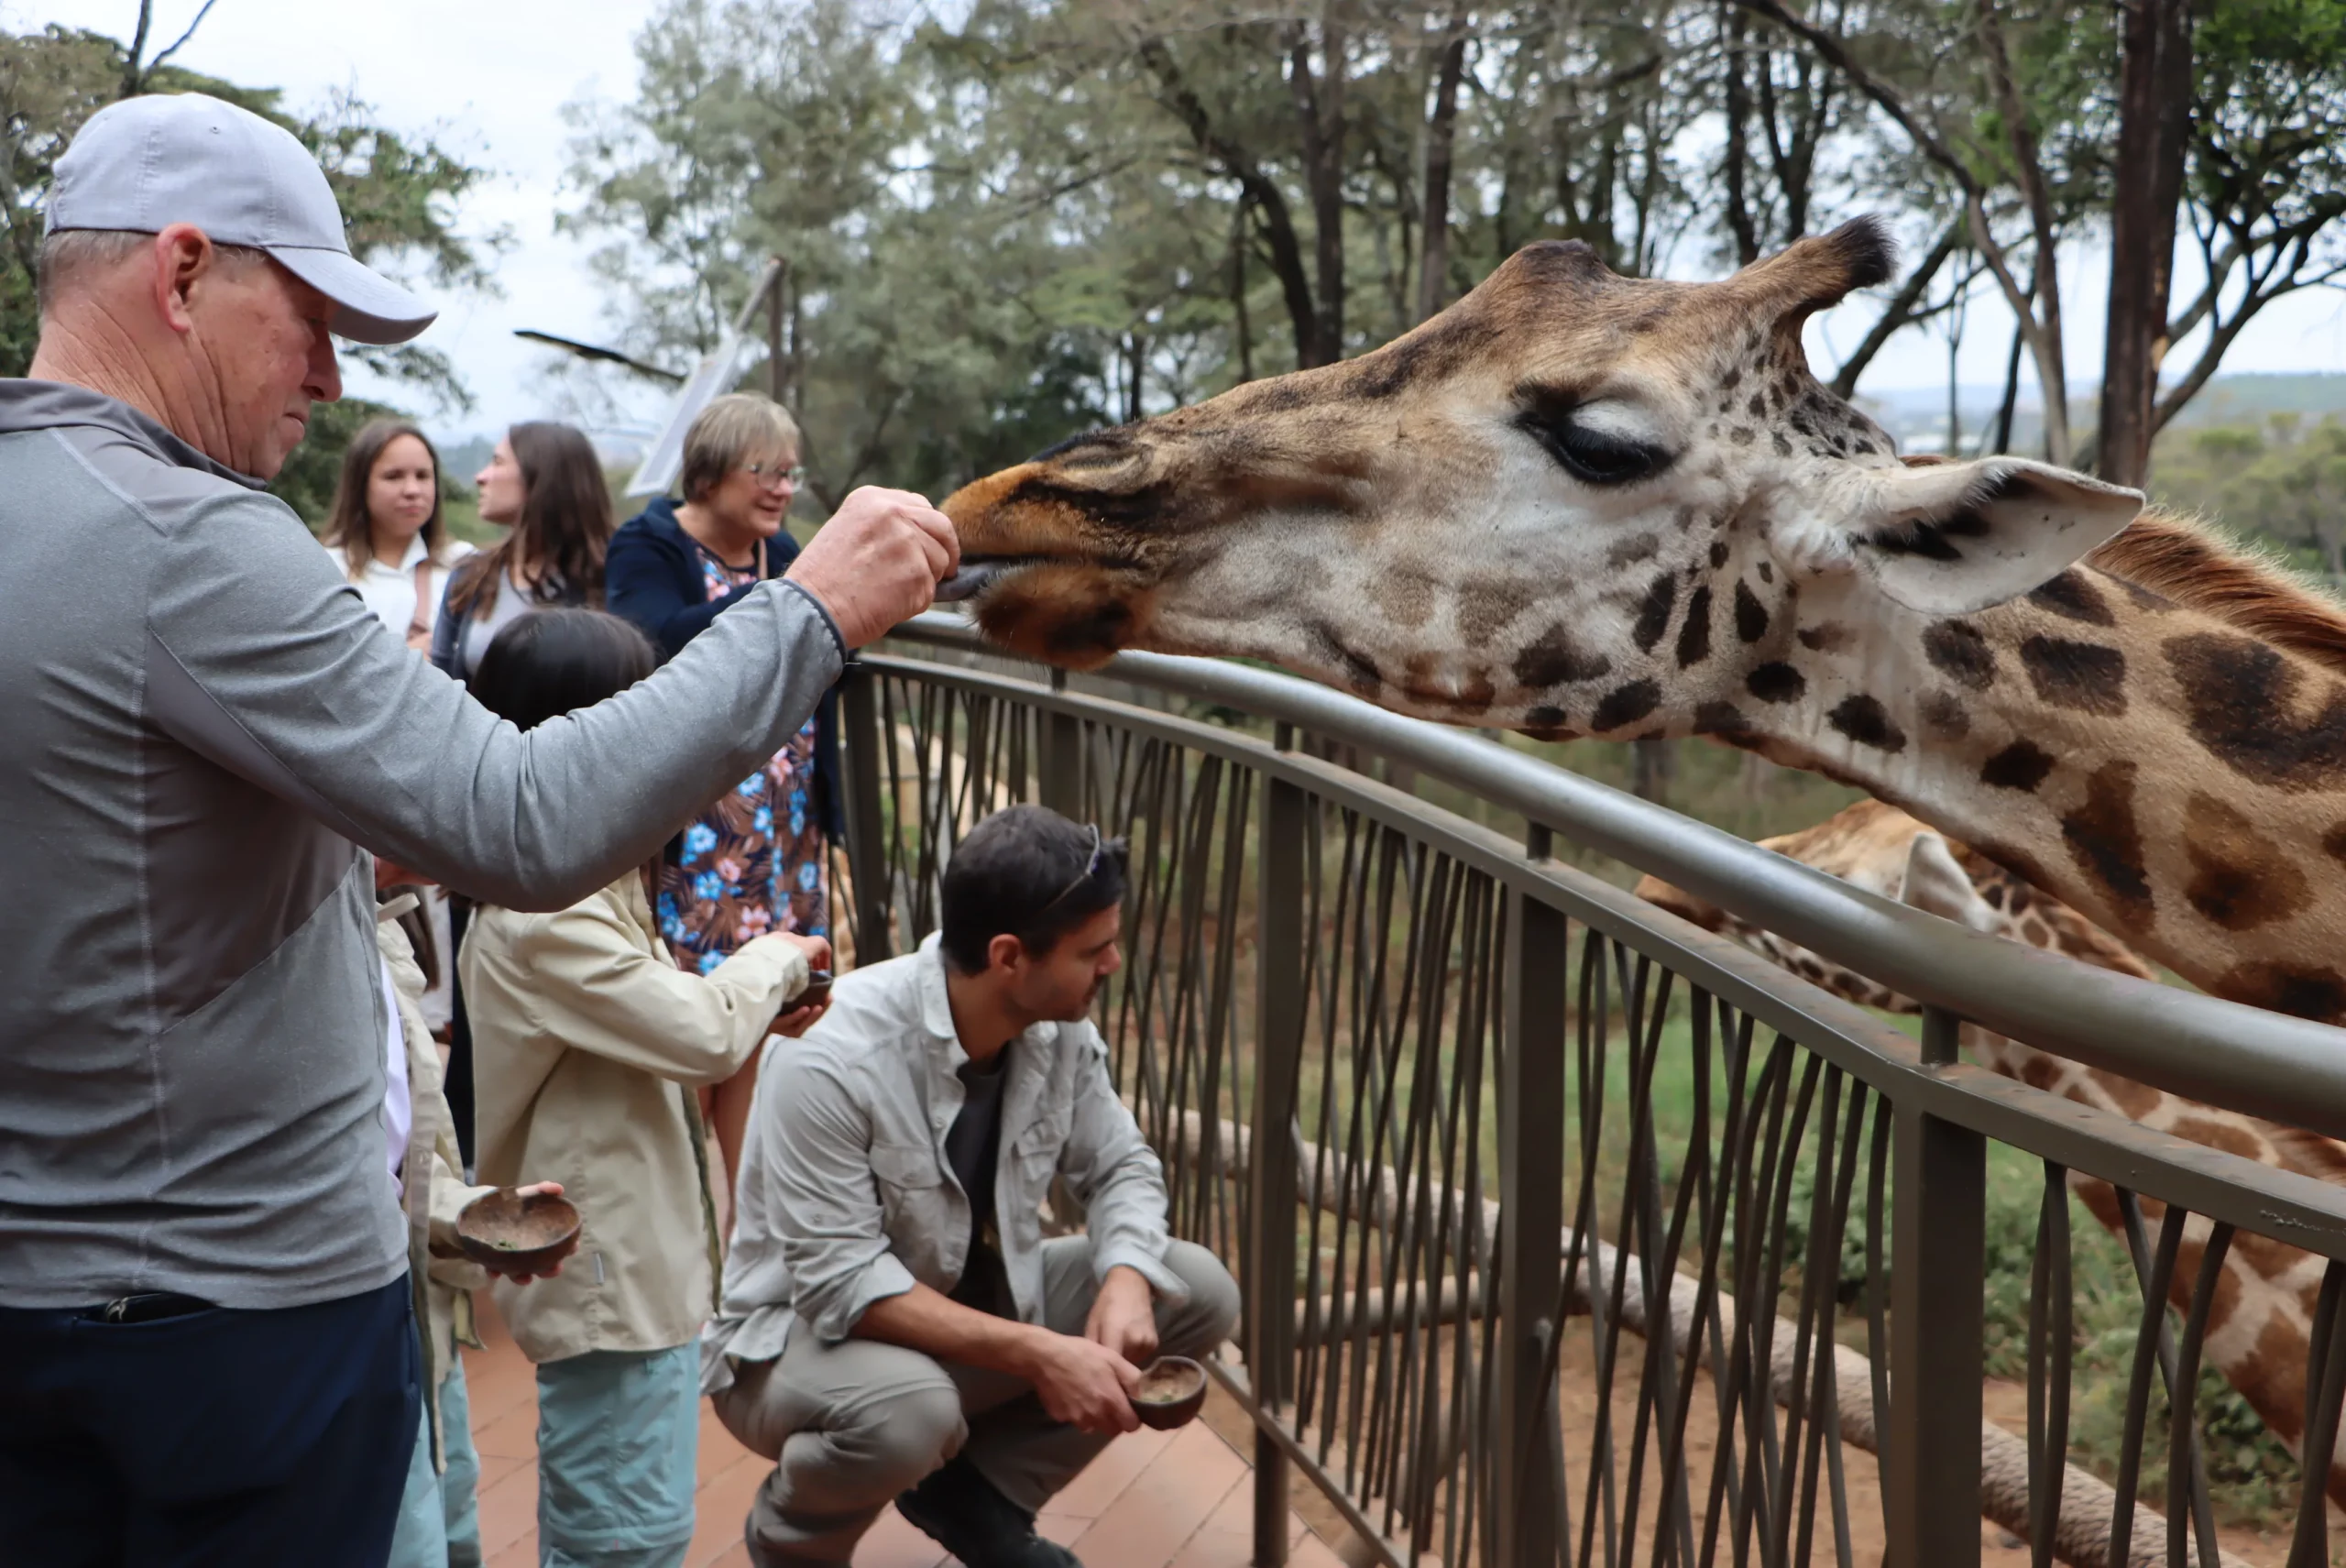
(851, 1425)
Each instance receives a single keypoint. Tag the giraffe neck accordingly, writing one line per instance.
(2166, 773)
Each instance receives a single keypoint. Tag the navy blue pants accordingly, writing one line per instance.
(256, 1439)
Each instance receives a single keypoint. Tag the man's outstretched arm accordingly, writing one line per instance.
(260, 658)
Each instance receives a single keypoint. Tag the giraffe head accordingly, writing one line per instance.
(1491, 519)
(1877, 847)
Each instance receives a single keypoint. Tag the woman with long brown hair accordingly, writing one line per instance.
(387, 528)
(545, 482)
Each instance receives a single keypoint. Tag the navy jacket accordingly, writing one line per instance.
(651, 575)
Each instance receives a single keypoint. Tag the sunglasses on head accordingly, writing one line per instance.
(1090, 864)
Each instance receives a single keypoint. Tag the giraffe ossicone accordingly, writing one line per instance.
(1578, 504)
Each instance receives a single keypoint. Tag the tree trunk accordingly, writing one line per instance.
(1245, 325)
(1735, 166)
(1320, 110)
(1651, 765)
(2153, 119)
(2045, 330)
(1433, 263)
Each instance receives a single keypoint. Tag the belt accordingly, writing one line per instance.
(154, 1306)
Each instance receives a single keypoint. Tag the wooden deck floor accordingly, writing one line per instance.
(1153, 1500)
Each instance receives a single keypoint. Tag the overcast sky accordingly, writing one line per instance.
(491, 77)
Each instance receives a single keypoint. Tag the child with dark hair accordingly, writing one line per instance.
(590, 1044)
(894, 1325)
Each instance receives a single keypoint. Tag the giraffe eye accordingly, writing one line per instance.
(1591, 456)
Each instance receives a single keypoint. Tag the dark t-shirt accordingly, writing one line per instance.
(973, 1148)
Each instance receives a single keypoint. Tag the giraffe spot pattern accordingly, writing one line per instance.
(2035, 933)
(1776, 683)
(2071, 595)
(1485, 610)
(1629, 552)
(1625, 704)
(2240, 878)
(1405, 598)
(1864, 720)
(1694, 635)
(1830, 637)
(1558, 658)
(2082, 676)
(1718, 554)
(2242, 703)
(2306, 991)
(1957, 650)
(2106, 842)
(2334, 841)
(1545, 717)
(1653, 614)
(1943, 716)
(2023, 765)
(1719, 719)
(1751, 615)
(1767, 573)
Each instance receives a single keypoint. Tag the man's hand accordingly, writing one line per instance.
(877, 560)
(1124, 1316)
(797, 1015)
(1082, 1383)
(553, 1188)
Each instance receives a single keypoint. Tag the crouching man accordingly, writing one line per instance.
(893, 1322)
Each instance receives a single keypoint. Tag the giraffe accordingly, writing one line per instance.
(2259, 1326)
(1577, 504)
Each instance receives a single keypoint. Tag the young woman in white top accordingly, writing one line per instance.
(387, 526)
(546, 484)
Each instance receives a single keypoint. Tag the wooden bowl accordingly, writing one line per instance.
(1172, 1391)
(509, 1234)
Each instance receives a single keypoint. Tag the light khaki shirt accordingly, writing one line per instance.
(587, 1045)
(846, 1196)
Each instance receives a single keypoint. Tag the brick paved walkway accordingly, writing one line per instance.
(1153, 1500)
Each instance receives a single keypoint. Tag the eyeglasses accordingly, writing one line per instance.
(1090, 864)
(774, 475)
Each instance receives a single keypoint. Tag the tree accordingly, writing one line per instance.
(399, 197)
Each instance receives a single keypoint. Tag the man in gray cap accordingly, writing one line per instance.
(205, 1348)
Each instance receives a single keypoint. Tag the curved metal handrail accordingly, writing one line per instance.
(2266, 1064)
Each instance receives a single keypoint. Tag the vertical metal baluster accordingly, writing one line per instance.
(1937, 1241)
(867, 852)
(1062, 780)
(2138, 1385)
(1278, 1035)
(2129, 1209)
(1531, 1107)
(2324, 1381)
(2050, 1310)
(2183, 1417)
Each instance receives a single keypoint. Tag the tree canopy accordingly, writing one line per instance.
(399, 195)
(1048, 214)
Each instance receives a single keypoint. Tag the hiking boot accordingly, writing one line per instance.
(959, 1509)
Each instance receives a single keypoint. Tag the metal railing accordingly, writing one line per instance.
(1569, 1232)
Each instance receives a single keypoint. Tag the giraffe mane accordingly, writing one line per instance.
(2186, 562)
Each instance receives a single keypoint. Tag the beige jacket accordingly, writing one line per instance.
(431, 1182)
(587, 1045)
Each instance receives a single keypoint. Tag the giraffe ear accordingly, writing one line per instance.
(1936, 885)
(1955, 538)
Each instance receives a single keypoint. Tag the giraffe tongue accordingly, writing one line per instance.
(975, 575)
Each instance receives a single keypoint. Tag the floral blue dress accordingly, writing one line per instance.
(754, 861)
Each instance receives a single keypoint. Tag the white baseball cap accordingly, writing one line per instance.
(146, 163)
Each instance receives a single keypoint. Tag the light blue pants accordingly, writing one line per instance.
(439, 1523)
(619, 1444)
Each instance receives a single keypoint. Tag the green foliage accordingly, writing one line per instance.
(2282, 485)
(399, 195)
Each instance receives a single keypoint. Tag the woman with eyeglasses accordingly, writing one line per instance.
(754, 862)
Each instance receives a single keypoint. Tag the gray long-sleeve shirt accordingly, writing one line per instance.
(200, 725)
